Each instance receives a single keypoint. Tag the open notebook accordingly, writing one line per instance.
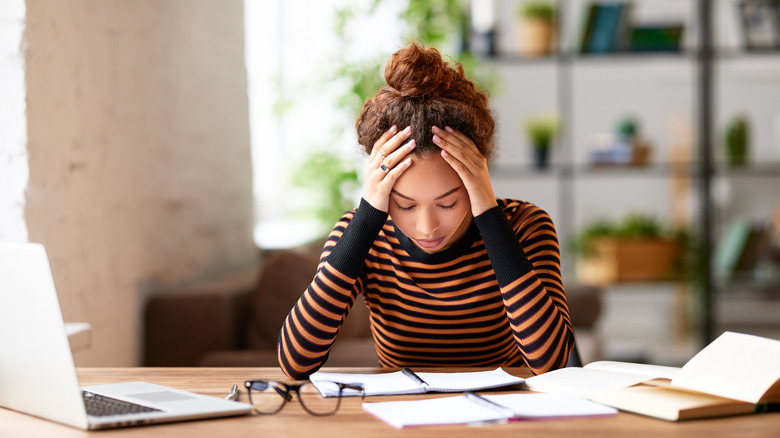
(37, 373)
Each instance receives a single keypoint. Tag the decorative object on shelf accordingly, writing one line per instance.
(536, 28)
(737, 141)
(483, 27)
(662, 37)
(606, 27)
(541, 130)
(744, 247)
(623, 148)
(638, 248)
(760, 21)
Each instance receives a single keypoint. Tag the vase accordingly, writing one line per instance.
(541, 154)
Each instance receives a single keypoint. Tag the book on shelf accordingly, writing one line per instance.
(743, 246)
(472, 408)
(606, 27)
(409, 382)
(735, 374)
(663, 37)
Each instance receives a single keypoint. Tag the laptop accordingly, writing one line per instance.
(37, 372)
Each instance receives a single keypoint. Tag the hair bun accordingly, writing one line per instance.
(419, 72)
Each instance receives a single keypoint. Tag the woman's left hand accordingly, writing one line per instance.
(462, 154)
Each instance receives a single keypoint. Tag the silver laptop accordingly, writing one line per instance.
(37, 373)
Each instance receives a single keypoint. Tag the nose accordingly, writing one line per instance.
(427, 222)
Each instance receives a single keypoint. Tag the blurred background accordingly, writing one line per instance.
(163, 146)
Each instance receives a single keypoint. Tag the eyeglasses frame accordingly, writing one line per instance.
(285, 390)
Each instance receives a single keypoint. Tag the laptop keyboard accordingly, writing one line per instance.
(101, 406)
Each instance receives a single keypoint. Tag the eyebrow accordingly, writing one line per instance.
(395, 192)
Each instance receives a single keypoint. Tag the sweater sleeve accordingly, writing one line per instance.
(525, 257)
(311, 327)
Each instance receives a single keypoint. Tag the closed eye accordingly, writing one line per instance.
(401, 208)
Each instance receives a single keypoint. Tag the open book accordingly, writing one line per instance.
(408, 382)
(735, 374)
(471, 408)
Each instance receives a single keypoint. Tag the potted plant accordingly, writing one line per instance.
(536, 27)
(541, 131)
(736, 139)
(637, 248)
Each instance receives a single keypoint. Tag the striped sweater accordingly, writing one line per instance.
(494, 298)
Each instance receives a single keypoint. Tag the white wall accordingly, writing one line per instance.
(139, 154)
(13, 124)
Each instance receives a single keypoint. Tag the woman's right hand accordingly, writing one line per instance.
(388, 160)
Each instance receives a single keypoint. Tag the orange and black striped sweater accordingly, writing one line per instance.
(493, 298)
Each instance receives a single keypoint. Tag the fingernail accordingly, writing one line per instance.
(435, 129)
(408, 130)
(411, 144)
(448, 129)
(393, 129)
(436, 139)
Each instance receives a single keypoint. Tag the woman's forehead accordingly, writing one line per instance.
(427, 178)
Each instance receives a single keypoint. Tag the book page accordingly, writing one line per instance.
(584, 382)
(655, 371)
(738, 366)
(671, 404)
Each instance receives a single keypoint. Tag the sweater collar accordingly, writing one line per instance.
(445, 255)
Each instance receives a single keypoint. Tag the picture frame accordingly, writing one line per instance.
(760, 20)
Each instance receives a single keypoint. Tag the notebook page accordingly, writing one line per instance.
(374, 384)
(530, 406)
(437, 411)
(473, 380)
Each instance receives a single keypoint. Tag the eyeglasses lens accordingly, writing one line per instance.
(315, 403)
(267, 397)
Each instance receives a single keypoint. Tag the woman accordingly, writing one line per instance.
(451, 275)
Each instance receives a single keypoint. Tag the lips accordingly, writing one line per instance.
(429, 243)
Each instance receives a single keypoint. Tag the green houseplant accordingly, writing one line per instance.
(541, 131)
(737, 141)
(637, 248)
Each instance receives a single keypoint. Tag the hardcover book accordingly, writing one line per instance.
(735, 374)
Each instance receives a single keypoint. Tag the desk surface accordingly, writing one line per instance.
(351, 420)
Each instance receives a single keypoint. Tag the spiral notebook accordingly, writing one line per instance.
(407, 381)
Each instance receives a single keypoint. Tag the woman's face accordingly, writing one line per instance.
(430, 204)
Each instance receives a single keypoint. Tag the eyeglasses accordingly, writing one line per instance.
(269, 396)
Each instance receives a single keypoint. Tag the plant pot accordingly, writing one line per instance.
(616, 260)
(535, 37)
(541, 155)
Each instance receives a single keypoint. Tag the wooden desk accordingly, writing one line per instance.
(352, 421)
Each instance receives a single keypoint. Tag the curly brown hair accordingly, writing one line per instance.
(423, 91)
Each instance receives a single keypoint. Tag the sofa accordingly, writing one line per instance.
(235, 321)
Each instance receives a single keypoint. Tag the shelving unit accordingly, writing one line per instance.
(568, 171)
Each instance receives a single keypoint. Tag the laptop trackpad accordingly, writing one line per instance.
(161, 396)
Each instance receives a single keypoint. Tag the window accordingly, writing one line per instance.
(290, 51)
